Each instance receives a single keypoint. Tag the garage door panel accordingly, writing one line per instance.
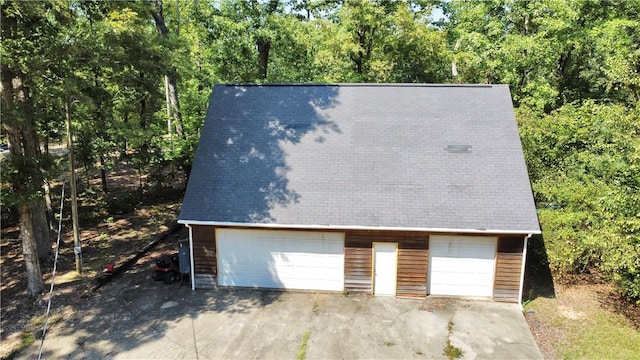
(281, 259)
(462, 265)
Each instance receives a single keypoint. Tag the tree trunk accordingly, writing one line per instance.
(40, 229)
(29, 231)
(125, 144)
(22, 149)
(25, 148)
(454, 66)
(103, 174)
(174, 103)
(171, 87)
(263, 57)
(48, 205)
(35, 285)
(168, 103)
(47, 190)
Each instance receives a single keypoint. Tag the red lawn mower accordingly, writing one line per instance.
(167, 269)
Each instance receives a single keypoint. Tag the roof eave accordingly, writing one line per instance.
(358, 227)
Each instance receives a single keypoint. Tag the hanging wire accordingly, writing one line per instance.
(53, 274)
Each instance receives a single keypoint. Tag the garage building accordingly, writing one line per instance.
(385, 189)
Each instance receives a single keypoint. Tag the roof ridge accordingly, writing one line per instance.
(364, 85)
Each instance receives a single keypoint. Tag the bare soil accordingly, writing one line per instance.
(144, 213)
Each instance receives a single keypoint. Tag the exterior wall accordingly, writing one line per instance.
(506, 286)
(358, 259)
(413, 265)
(413, 261)
(204, 255)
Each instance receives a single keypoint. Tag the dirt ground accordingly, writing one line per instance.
(136, 220)
(22, 320)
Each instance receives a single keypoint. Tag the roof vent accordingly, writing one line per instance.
(458, 149)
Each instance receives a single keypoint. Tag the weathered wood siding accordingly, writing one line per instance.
(413, 264)
(506, 286)
(413, 258)
(357, 263)
(204, 250)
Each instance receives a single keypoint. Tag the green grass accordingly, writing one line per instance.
(587, 330)
(450, 351)
(302, 352)
(602, 336)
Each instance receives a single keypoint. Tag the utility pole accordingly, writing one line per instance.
(77, 248)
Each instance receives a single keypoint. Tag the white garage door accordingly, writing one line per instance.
(462, 265)
(281, 259)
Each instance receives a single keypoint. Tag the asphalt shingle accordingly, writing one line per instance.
(361, 155)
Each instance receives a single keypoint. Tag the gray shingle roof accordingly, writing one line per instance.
(361, 155)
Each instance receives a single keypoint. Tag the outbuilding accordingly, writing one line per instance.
(385, 189)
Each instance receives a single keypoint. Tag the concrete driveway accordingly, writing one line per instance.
(135, 318)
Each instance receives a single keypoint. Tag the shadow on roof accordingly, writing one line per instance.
(246, 127)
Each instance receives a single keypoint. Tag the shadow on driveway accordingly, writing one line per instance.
(133, 311)
(135, 317)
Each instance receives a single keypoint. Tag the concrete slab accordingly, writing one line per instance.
(130, 318)
(507, 338)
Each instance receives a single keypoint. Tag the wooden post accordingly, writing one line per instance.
(77, 248)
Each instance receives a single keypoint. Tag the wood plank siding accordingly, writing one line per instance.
(204, 250)
(413, 264)
(506, 286)
(413, 261)
(357, 267)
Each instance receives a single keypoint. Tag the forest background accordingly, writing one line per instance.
(133, 79)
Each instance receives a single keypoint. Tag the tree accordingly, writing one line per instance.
(510, 42)
(584, 161)
(117, 85)
(253, 22)
(412, 50)
(27, 28)
(549, 52)
(363, 21)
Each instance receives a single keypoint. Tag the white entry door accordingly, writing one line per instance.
(462, 265)
(385, 268)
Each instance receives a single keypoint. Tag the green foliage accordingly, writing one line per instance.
(31, 49)
(549, 52)
(585, 167)
(29, 171)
